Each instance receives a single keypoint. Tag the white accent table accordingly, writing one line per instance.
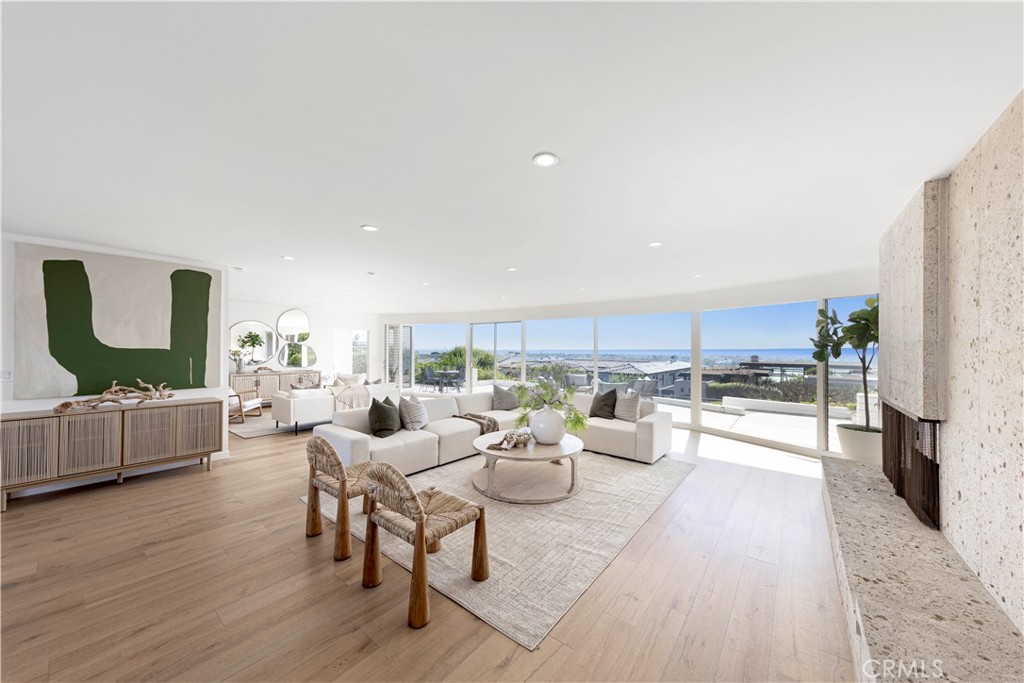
(531, 480)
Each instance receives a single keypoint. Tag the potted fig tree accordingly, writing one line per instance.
(860, 333)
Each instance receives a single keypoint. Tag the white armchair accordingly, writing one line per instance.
(302, 407)
(242, 402)
(645, 440)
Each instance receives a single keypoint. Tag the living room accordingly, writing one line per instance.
(519, 341)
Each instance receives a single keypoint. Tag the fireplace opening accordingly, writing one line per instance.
(910, 460)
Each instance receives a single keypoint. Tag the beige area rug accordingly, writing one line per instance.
(262, 425)
(542, 557)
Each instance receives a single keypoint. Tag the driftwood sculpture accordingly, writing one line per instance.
(515, 438)
(118, 394)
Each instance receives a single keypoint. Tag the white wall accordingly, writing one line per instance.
(328, 328)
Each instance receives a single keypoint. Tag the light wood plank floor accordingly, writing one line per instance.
(195, 575)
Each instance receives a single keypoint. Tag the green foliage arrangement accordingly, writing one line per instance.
(455, 357)
(550, 395)
(718, 390)
(250, 340)
(860, 333)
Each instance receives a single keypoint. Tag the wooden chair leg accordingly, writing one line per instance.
(342, 532)
(419, 601)
(366, 504)
(314, 525)
(433, 547)
(481, 563)
(372, 570)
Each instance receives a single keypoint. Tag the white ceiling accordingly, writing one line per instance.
(758, 142)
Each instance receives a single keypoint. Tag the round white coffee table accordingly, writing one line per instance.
(532, 479)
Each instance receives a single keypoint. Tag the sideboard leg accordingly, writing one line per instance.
(120, 477)
(3, 501)
(209, 462)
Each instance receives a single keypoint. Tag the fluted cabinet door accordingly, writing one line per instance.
(89, 441)
(199, 428)
(29, 450)
(148, 434)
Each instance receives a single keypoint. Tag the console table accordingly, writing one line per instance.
(40, 447)
(266, 383)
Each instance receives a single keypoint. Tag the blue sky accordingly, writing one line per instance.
(764, 327)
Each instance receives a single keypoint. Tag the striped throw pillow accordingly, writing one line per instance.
(627, 406)
(413, 413)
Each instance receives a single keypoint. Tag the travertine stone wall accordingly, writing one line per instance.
(911, 373)
(981, 445)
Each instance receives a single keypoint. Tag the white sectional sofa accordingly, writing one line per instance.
(645, 440)
(445, 438)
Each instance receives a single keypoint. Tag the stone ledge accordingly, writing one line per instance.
(908, 596)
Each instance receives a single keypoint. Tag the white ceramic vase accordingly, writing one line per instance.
(547, 425)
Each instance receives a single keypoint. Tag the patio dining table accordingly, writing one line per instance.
(445, 376)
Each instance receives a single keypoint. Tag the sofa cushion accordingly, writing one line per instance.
(419, 452)
(627, 406)
(412, 413)
(440, 408)
(603, 405)
(613, 437)
(305, 386)
(454, 438)
(473, 403)
(504, 399)
(506, 418)
(384, 418)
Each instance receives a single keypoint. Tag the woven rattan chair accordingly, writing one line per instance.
(328, 474)
(422, 520)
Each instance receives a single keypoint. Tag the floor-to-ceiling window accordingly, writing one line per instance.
(497, 353)
(441, 357)
(650, 353)
(559, 347)
(846, 399)
(758, 376)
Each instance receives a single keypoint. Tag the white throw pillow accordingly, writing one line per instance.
(412, 413)
(350, 380)
(627, 406)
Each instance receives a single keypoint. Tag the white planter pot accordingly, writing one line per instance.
(860, 445)
(547, 425)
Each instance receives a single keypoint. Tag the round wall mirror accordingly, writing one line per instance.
(295, 355)
(293, 325)
(255, 340)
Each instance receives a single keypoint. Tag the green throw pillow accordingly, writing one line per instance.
(384, 418)
(603, 405)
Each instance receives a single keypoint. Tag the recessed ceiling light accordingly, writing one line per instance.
(370, 272)
(502, 297)
(654, 244)
(698, 276)
(240, 269)
(544, 159)
(314, 299)
(511, 269)
(370, 228)
(288, 258)
(424, 283)
(347, 293)
(583, 289)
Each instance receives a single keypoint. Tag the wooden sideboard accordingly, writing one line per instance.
(266, 383)
(43, 448)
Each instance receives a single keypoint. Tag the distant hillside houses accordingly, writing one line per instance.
(665, 372)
